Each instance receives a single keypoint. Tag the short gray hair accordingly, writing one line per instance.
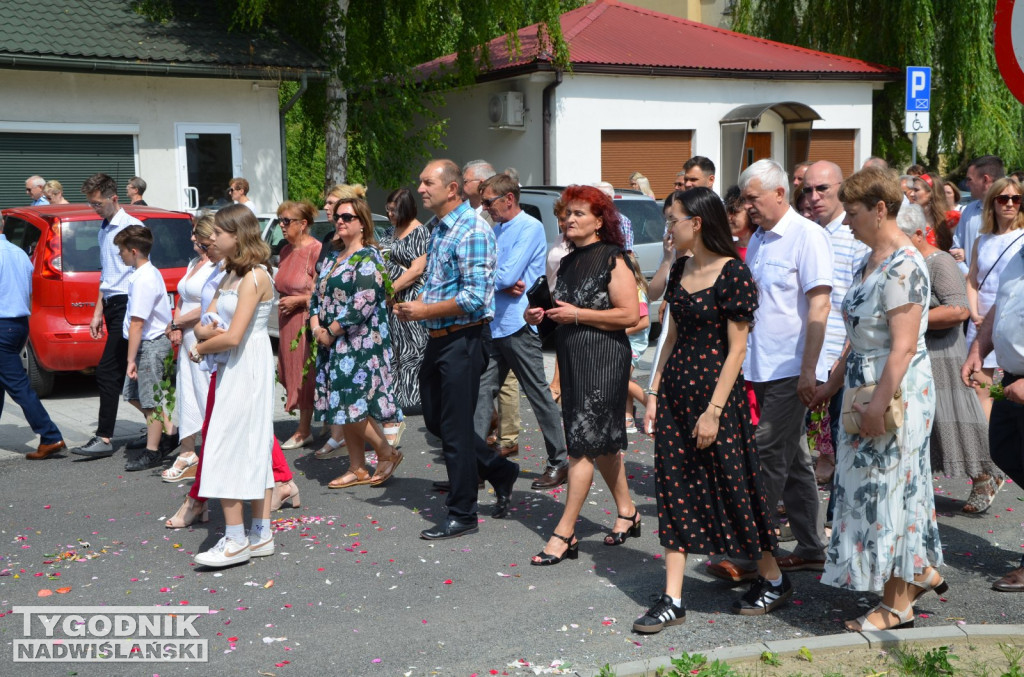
(605, 187)
(36, 180)
(482, 169)
(911, 219)
(769, 172)
(138, 184)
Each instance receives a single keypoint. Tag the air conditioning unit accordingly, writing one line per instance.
(505, 109)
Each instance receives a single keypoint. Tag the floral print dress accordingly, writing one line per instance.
(353, 376)
(884, 522)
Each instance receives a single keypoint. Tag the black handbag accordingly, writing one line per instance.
(539, 295)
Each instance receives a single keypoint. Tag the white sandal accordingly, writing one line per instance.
(330, 448)
(176, 472)
(393, 432)
(905, 618)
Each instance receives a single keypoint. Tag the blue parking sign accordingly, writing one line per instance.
(919, 88)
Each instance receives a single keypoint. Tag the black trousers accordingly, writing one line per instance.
(449, 386)
(1006, 436)
(113, 364)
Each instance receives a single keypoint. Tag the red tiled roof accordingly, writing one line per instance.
(610, 35)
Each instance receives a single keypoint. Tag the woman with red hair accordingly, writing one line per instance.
(595, 301)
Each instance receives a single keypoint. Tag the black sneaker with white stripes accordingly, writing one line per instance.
(763, 597)
(663, 613)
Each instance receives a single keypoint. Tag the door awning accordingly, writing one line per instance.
(789, 111)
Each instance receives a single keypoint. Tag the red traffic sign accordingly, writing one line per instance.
(1010, 56)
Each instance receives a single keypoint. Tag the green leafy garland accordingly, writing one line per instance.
(164, 394)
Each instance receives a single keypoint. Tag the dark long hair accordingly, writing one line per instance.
(714, 232)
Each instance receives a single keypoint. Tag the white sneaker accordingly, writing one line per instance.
(225, 553)
(262, 548)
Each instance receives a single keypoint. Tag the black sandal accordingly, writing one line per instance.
(619, 537)
(572, 552)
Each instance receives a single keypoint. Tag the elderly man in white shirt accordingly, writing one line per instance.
(1003, 330)
(791, 261)
(821, 186)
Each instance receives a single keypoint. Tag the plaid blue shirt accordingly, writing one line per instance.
(114, 273)
(461, 258)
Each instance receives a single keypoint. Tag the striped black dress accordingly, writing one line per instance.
(593, 363)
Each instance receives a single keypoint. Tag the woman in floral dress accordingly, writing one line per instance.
(348, 319)
(884, 535)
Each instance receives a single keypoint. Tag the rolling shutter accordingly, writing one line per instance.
(834, 145)
(657, 154)
(68, 158)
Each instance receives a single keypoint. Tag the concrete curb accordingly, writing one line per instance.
(814, 644)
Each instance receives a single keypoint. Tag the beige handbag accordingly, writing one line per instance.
(862, 395)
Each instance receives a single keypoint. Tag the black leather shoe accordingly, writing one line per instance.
(143, 460)
(503, 492)
(445, 485)
(450, 529)
(551, 478)
(168, 444)
(138, 443)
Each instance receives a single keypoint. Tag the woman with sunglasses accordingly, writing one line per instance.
(999, 239)
(294, 283)
(192, 382)
(348, 319)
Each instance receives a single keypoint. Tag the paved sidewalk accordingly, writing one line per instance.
(353, 591)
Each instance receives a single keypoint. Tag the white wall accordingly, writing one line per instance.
(155, 104)
(588, 104)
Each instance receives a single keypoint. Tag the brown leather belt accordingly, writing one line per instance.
(445, 331)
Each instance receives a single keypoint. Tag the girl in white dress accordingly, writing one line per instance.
(192, 382)
(237, 451)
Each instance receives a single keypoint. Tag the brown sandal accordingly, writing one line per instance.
(983, 493)
(358, 476)
(386, 467)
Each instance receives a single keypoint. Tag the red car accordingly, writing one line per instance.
(62, 242)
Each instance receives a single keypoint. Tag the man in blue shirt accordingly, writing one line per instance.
(981, 174)
(34, 187)
(16, 281)
(514, 344)
(455, 306)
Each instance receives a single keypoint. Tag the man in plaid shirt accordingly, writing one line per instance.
(455, 306)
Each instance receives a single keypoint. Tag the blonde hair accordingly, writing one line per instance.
(348, 191)
(643, 184)
(203, 225)
(52, 187)
(634, 265)
(988, 218)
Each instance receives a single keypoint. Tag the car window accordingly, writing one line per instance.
(647, 219)
(79, 246)
(21, 233)
(172, 242)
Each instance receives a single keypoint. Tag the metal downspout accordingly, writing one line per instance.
(548, 101)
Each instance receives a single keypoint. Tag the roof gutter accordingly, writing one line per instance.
(113, 67)
(303, 85)
(548, 98)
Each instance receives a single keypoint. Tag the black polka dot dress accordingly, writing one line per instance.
(710, 501)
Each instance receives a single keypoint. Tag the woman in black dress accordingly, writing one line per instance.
(707, 474)
(595, 301)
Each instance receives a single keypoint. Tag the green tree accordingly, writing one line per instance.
(375, 115)
(972, 112)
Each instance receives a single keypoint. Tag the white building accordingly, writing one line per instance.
(91, 85)
(647, 91)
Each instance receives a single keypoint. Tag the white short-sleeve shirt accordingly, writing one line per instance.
(147, 298)
(848, 253)
(786, 262)
(1008, 330)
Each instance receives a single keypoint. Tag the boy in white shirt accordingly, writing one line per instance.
(147, 316)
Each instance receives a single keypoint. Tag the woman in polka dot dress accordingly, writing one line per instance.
(710, 493)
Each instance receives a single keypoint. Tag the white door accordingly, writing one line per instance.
(209, 155)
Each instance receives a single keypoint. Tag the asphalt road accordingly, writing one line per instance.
(352, 590)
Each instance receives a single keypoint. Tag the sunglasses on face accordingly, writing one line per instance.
(203, 247)
(1003, 200)
(488, 201)
(346, 218)
(285, 221)
(807, 190)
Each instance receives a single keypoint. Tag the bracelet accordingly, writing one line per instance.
(715, 406)
(175, 327)
(651, 391)
(329, 332)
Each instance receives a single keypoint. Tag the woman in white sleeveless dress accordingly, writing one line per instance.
(1000, 238)
(237, 449)
(192, 382)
